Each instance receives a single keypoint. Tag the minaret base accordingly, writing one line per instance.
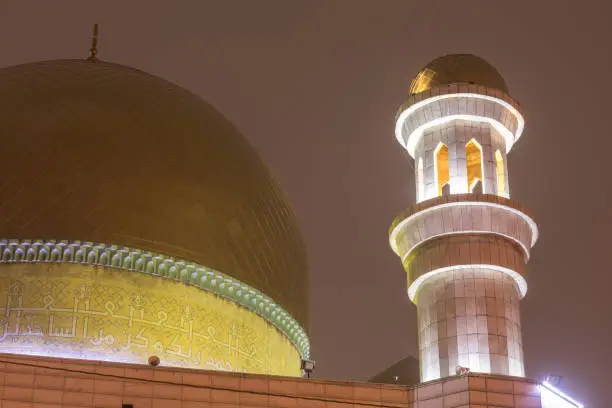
(469, 317)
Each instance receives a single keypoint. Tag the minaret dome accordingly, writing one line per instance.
(457, 69)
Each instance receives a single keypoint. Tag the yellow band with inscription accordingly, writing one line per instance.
(135, 260)
(94, 312)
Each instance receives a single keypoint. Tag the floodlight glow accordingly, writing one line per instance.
(416, 135)
(552, 397)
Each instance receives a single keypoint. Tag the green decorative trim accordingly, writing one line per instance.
(135, 260)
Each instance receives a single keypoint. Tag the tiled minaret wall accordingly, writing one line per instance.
(464, 250)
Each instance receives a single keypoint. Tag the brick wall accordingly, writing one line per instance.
(33, 382)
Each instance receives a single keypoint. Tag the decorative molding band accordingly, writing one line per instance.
(413, 289)
(417, 117)
(435, 205)
(135, 260)
(436, 201)
(470, 232)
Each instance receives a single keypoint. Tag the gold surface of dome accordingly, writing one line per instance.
(106, 153)
(457, 68)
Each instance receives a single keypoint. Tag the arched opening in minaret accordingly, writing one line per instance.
(420, 180)
(501, 177)
(473, 159)
(441, 168)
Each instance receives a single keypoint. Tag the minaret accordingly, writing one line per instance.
(464, 245)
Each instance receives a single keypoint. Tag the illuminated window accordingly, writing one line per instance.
(420, 180)
(501, 179)
(473, 159)
(441, 168)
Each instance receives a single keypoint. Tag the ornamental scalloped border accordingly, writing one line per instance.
(136, 260)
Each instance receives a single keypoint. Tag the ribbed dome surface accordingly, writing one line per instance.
(106, 153)
(458, 68)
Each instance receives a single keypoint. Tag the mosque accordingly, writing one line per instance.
(149, 259)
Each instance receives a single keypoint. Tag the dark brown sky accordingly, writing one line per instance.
(314, 85)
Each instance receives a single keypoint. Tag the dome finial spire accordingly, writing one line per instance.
(93, 51)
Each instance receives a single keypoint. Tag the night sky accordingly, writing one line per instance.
(315, 85)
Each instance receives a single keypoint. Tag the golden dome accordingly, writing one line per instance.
(106, 153)
(457, 68)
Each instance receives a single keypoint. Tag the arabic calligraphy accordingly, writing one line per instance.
(101, 312)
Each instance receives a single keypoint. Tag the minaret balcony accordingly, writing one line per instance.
(463, 230)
